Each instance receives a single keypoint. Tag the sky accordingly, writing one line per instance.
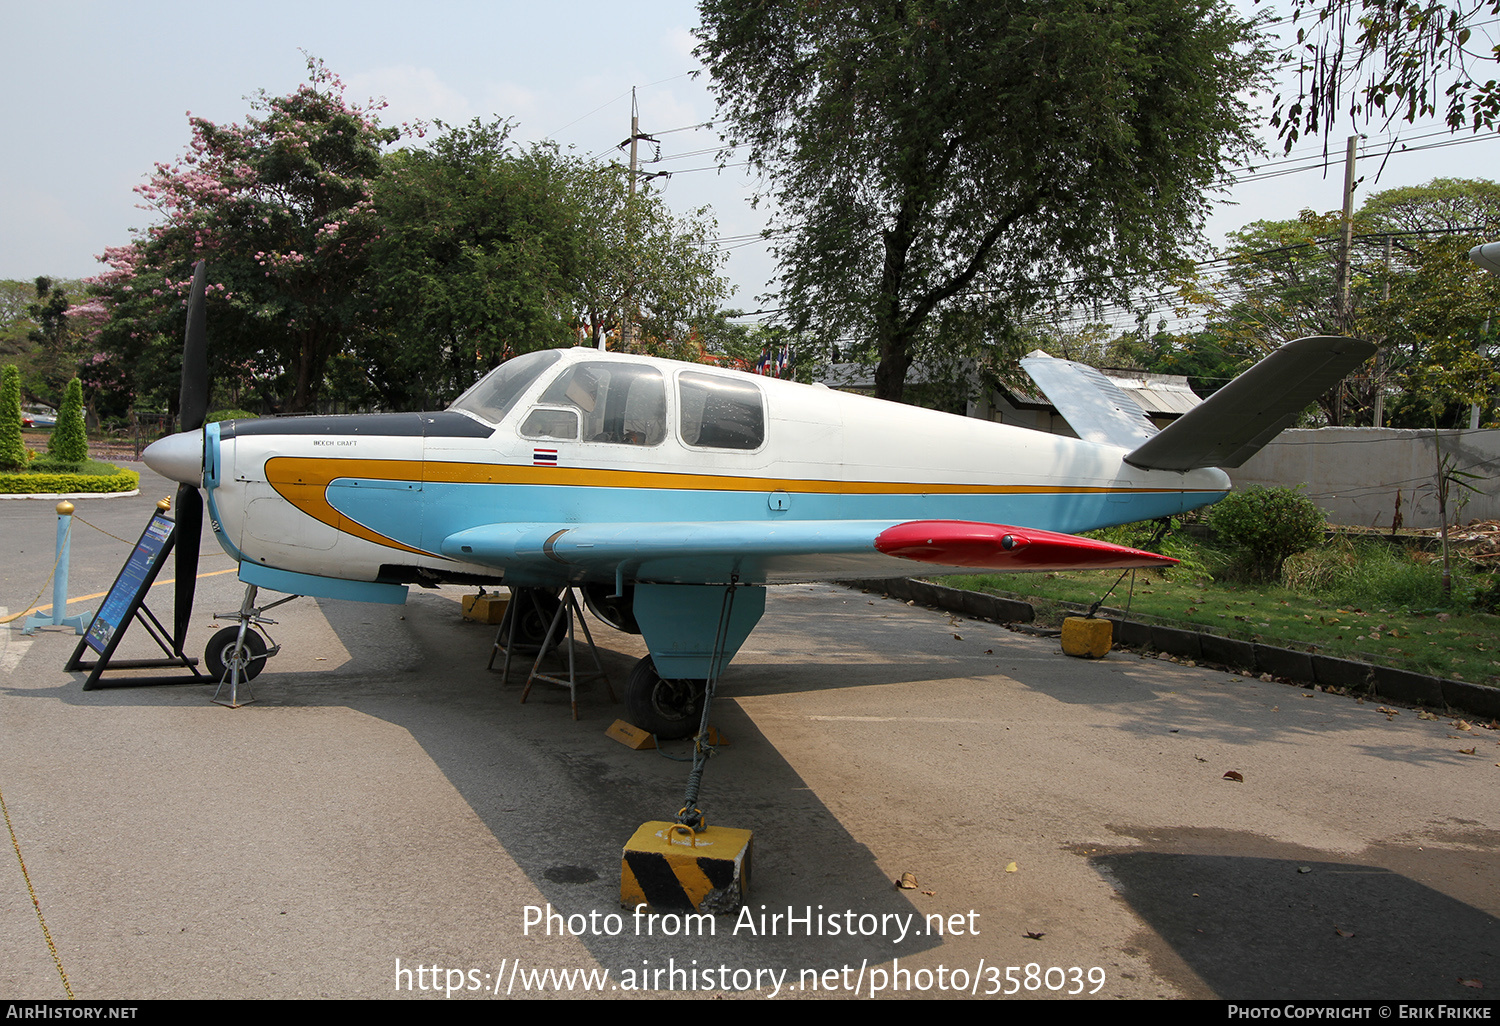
(97, 93)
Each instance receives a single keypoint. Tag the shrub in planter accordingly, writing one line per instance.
(70, 441)
(1266, 526)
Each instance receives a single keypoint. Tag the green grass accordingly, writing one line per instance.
(1366, 601)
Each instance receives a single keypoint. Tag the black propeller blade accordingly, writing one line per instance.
(192, 407)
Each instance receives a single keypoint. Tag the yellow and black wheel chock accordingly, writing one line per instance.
(672, 867)
(1087, 638)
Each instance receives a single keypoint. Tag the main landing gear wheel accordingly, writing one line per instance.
(670, 709)
(224, 651)
(619, 612)
(536, 607)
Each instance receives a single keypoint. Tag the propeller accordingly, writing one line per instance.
(192, 410)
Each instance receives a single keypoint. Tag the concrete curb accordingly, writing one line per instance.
(1250, 658)
(70, 496)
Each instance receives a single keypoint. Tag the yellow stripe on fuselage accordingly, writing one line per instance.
(303, 481)
(315, 469)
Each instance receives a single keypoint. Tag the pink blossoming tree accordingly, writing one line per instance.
(281, 207)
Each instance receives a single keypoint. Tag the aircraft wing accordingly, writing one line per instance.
(779, 552)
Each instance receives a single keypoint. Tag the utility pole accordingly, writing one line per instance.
(1346, 303)
(1474, 407)
(1346, 306)
(1385, 298)
(627, 312)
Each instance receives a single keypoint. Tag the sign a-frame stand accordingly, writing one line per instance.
(126, 602)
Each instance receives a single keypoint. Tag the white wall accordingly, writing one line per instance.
(1356, 473)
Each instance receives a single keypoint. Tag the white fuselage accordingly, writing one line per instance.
(352, 497)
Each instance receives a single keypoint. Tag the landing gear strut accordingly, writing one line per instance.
(237, 654)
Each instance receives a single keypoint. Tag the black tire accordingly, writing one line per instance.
(619, 612)
(670, 709)
(221, 652)
(536, 608)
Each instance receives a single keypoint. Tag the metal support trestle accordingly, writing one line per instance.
(569, 613)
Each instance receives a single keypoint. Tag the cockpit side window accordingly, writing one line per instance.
(720, 412)
(549, 422)
(493, 395)
(622, 403)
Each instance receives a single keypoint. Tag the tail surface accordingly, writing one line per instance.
(1226, 429)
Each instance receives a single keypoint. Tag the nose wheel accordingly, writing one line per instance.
(226, 653)
(237, 654)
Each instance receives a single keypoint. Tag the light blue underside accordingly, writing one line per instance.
(291, 583)
(427, 518)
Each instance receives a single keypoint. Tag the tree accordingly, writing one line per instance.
(70, 441)
(1440, 332)
(1452, 206)
(638, 259)
(12, 446)
(1389, 59)
(282, 209)
(56, 347)
(16, 324)
(488, 250)
(1436, 324)
(1425, 303)
(1280, 282)
(935, 166)
(476, 261)
(394, 279)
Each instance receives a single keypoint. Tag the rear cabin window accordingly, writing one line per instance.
(720, 412)
(620, 403)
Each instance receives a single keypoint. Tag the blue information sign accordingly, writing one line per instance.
(128, 589)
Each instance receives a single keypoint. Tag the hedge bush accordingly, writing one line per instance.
(1266, 526)
(12, 448)
(63, 483)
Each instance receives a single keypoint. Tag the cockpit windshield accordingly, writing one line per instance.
(493, 395)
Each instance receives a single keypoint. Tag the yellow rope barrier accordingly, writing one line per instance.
(47, 934)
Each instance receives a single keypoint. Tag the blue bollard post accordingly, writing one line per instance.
(58, 616)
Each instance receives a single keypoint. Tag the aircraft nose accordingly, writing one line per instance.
(179, 457)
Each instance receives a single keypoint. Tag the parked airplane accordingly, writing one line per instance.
(674, 493)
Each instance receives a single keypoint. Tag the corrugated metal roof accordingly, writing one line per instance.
(1160, 395)
(1167, 394)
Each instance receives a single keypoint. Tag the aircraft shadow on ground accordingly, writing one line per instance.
(1273, 928)
(562, 799)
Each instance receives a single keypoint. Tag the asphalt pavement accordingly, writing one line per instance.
(387, 819)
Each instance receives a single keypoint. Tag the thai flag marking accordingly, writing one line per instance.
(544, 457)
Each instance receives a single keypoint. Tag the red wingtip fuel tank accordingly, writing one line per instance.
(998, 547)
